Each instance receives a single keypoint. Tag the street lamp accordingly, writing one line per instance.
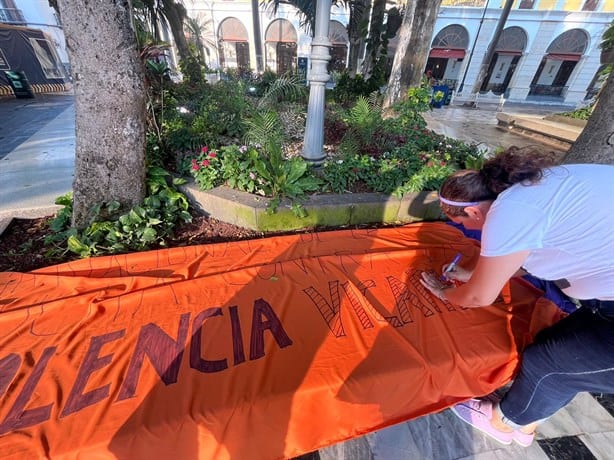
(313, 143)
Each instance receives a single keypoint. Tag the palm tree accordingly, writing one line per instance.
(172, 12)
(306, 11)
(200, 34)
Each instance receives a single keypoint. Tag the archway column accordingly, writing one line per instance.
(313, 144)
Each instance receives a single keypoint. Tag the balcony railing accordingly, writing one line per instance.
(11, 16)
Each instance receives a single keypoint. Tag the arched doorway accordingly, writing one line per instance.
(561, 58)
(508, 51)
(447, 53)
(233, 45)
(280, 46)
(338, 36)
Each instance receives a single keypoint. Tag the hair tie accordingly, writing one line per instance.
(458, 203)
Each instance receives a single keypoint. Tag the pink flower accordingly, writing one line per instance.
(195, 167)
(442, 163)
(212, 154)
(205, 149)
(205, 163)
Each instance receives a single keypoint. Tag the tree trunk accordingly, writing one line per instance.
(596, 142)
(109, 104)
(413, 48)
(375, 36)
(174, 14)
(490, 51)
(357, 30)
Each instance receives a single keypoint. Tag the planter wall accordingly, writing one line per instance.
(327, 210)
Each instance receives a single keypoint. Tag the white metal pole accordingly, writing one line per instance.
(313, 144)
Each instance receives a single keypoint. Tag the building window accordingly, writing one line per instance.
(590, 5)
(454, 36)
(526, 5)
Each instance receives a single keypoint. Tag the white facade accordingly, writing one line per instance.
(517, 73)
(542, 27)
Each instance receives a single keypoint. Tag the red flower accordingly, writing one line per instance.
(205, 163)
(212, 154)
(205, 149)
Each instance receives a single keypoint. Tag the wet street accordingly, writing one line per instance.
(479, 125)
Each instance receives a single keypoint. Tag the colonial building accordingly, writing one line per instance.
(548, 50)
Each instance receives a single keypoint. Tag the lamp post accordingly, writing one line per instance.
(313, 143)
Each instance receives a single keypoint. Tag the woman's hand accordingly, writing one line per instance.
(457, 273)
(434, 284)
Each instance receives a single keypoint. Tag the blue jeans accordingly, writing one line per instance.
(574, 355)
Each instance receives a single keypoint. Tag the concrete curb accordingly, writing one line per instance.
(250, 211)
(7, 216)
(547, 130)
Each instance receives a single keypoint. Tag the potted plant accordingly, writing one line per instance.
(437, 99)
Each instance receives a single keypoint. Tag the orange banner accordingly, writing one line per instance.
(261, 349)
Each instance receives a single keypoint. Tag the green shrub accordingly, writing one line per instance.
(348, 89)
(144, 226)
(580, 114)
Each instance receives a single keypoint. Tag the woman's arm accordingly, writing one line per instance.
(487, 280)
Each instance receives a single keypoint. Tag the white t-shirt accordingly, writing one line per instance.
(567, 222)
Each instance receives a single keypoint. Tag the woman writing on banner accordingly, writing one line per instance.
(556, 222)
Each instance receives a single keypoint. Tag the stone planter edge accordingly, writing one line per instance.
(327, 210)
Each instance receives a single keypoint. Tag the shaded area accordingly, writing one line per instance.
(20, 119)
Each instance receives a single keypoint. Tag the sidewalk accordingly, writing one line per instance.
(482, 125)
(39, 170)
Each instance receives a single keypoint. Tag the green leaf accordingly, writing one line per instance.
(149, 235)
(125, 220)
(134, 217)
(64, 200)
(76, 246)
(113, 206)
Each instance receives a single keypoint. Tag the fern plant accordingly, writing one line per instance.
(282, 177)
(285, 88)
(364, 121)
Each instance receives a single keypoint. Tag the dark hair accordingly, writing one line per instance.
(514, 165)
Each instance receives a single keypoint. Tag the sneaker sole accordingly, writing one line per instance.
(481, 431)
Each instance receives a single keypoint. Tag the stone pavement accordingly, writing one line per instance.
(39, 167)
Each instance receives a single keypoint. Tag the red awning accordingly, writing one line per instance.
(233, 30)
(564, 57)
(447, 53)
